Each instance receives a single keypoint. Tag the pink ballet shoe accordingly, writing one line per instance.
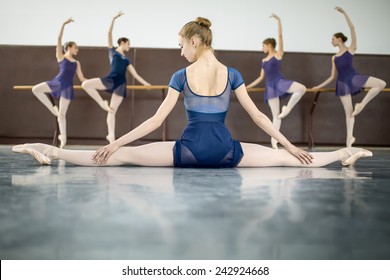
(350, 142)
(355, 156)
(106, 107)
(110, 138)
(62, 139)
(358, 108)
(284, 113)
(23, 149)
(274, 143)
(56, 112)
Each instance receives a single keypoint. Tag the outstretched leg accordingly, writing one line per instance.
(116, 100)
(64, 104)
(346, 100)
(91, 87)
(376, 86)
(297, 90)
(274, 104)
(40, 91)
(154, 154)
(260, 156)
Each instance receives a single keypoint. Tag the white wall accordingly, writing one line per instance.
(307, 24)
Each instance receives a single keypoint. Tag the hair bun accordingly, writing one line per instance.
(203, 22)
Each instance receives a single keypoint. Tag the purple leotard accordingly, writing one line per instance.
(276, 85)
(62, 84)
(206, 141)
(348, 81)
(115, 81)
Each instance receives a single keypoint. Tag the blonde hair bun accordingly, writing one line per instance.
(203, 22)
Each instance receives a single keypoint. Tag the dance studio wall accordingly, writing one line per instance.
(237, 25)
(24, 118)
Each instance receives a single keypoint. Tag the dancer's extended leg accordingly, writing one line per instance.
(274, 104)
(91, 87)
(116, 100)
(260, 156)
(40, 91)
(64, 104)
(376, 86)
(297, 90)
(346, 100)
(154, 154)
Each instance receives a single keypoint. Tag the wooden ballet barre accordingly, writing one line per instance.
(163, 88)
(77, 87)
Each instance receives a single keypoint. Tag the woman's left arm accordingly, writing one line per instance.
(79, 72)
(265, 124)
(134, 73)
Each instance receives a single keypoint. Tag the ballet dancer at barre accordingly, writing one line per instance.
(276, 86)
(115, 82)
(62, 85)
(349, 82)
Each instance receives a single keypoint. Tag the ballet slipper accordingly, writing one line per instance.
(358, 108)
(40, 157)
(350, 141)
(62, 139)
(355, 156)
(274, 143)
(110, 137)
(56, 112)
(106, 107)
(284, 113)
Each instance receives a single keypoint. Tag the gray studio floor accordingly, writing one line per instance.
(69, 212)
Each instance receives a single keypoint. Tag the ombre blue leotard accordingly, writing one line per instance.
(276, 85)
(115, 81)
(62, 84)
(206, 141)
(348, 81)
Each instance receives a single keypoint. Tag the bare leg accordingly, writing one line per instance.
(40, 91)
(274, 104)
(376, 85)
(346, 100)
(64, 104)
(297, 90)
(91, 86)
(116, 100)
(260, 156)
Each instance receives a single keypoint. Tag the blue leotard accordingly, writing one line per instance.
(276, 85)
(206, 141)
(115, 81)
(348, 81)
(62, 84)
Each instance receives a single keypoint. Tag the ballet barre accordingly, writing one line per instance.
(163, 89)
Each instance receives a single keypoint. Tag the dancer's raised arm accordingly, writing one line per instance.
(59, 51)
(280, 51)
(110, 42)
(353, 46)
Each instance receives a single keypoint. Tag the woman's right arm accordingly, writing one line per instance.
(102, 155)
(330, 79)
(59, 53)
(110, 42)
(258, 80)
